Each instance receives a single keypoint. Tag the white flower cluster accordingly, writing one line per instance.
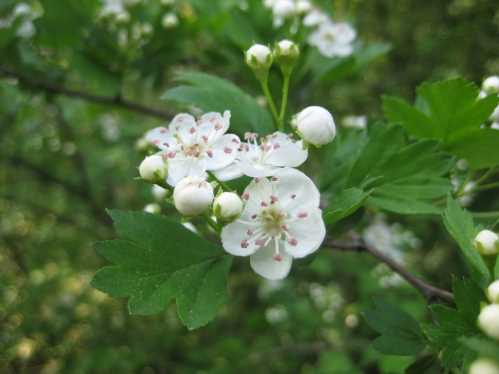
(332, 39)
(490, 86)
(23, 15)
(277, 218)
(487, 243)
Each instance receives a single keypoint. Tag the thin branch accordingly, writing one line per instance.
(116, 101)
(427, 290)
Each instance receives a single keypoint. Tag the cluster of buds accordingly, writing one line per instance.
(260, 58)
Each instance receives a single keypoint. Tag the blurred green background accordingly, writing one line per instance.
(63, 161)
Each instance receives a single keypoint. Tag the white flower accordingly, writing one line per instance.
(491, 85)
(159, 192)
(193, 147)
(169, 20)
(192, 196)
(259, 57)
(334, 39)
(153, 169)
(315, 125)
(152, 208)
(303, 6)
(281, 220)
(493, 292)
(227, 206)
(488, 320)
(315, 18)
(355, 122)
(282, 9)
(264, 159)
(487, 243)
(484, 366)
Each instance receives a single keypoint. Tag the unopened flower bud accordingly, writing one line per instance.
(169, 20)
(153, 169)
(159, 192)
(285, 54)
(142, 144)
(227, 206)
(491, 85)
(284, 8)
(484, 366)
(152, 208)
(488, 320)
(315, 125)
(303, 6)
(493, 292)
(487, 243)
(193, 196)
(259, 59)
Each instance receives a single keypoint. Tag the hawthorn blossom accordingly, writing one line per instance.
(281, 220)
(334, 39)
(194, 147)
(262, 159)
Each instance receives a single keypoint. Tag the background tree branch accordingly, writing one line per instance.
(431, 293)
(116, 101)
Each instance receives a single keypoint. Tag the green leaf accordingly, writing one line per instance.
(484, 347)
(467, 296)
(211, 93)
(344, 204)
(428, 364)
(404, 178)
(400, 333)
(156, 260)
(496, 269)
(459, 224)
(450, 111)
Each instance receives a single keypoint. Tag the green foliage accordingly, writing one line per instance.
(451, 112)
(157, 260)
(344, 204)
(400, 333)
(402, 178)
(450, 325)
(483, 347)
(211, 93)
(460, 225)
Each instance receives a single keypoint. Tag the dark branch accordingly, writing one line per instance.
(56, 89)
(427, 290)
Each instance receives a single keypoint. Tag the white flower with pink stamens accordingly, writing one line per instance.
(264, 158)
(194, 147)
(281, 220)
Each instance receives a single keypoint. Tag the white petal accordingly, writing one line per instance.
(179, 168)
(212, 125)
(235, 238)
(230, 172)
(223, 152)
(256, 169)
(162, 138)
(264, 264)
(258, 191)
(284, 151)
(183, 125)
(295, 190)
(305, 234)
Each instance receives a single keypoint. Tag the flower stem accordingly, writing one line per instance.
(212, 223)
(224, 186)
(284, 101)
(489, 186)
(485, 176)
(265, 88)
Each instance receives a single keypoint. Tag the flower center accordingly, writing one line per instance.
(272, 220)
(194, 150)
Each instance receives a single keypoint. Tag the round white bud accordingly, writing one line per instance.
(491, 85)
(227, 206)
(153, 169)
(488, 320)
(487, 243)
(259, 57)
(493, 292)
(152, 208)
(169, 20)
(303, 6)
(315, 125)
(484, 366)
(284, 8)
(192, 196)
(286, 53)
(159, 192)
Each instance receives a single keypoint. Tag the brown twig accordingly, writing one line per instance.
(427, 290)
(116, 101)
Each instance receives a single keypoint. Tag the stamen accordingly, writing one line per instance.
(260, 242)
(249, 232)
(192, 130)
(293, 242)
(162, 130)
(274, 179)
(293, 196)
(171, 154)
(205, 138)
(244, 244)
(209, 152)
(246, 196)
(273, 199)
(264, 204)
(303, 215)
(228, 150)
